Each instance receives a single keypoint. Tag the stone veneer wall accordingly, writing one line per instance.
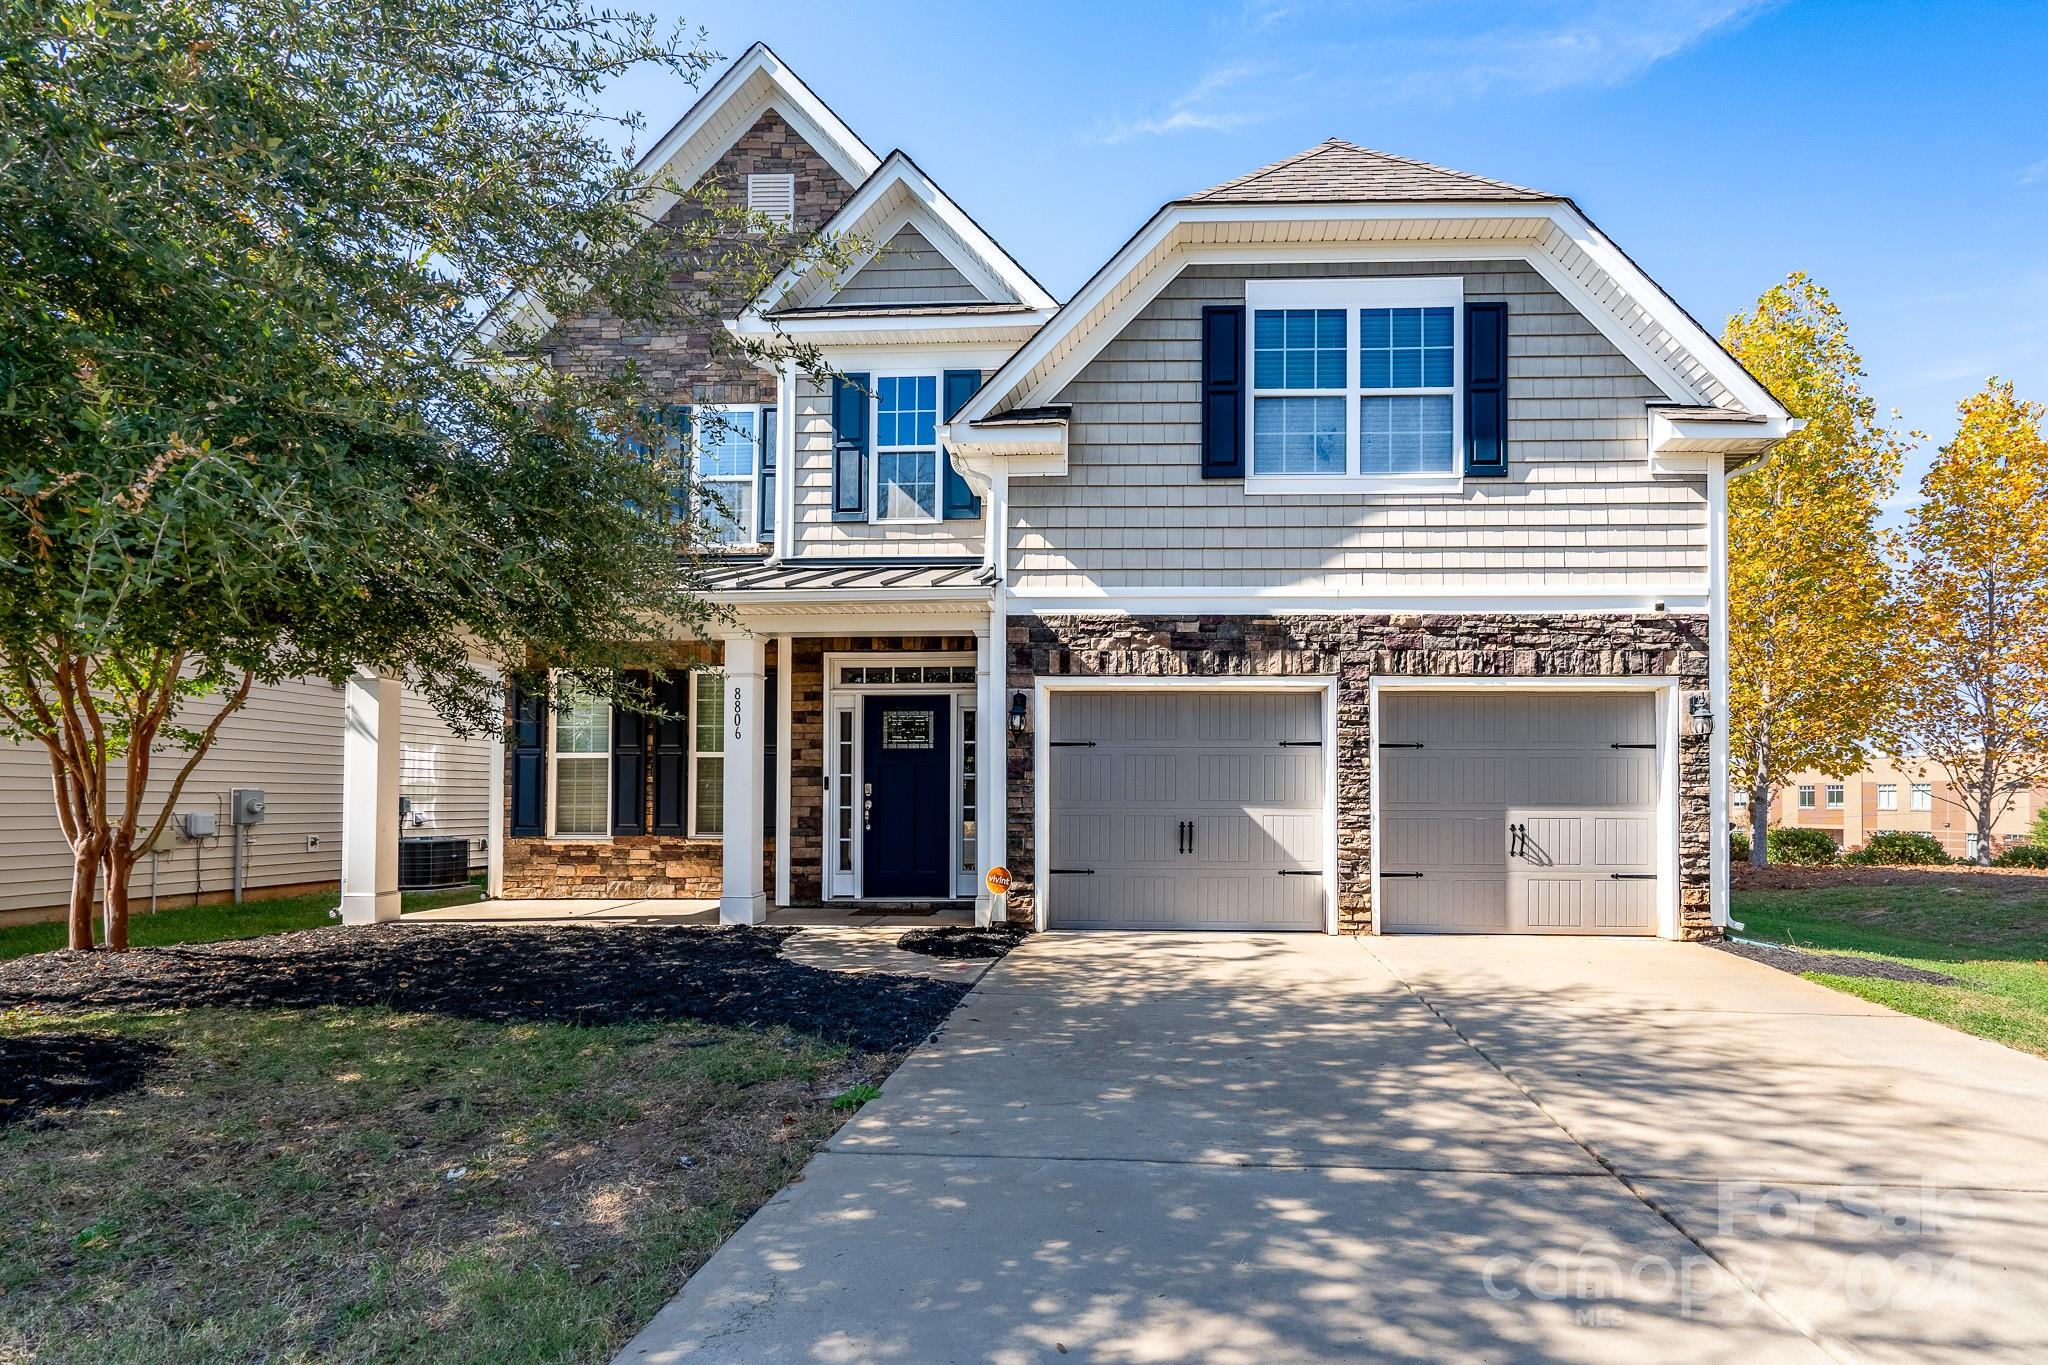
(1358, 648)
(807, 813)
(682, 366)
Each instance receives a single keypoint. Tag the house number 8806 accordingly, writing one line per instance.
(736, 732)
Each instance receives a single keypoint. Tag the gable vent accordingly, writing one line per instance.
(772, 196)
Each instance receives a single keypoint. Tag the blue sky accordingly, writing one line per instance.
(1898, 152)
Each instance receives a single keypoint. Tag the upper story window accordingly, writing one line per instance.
(1836, 796)
(735, 463)
(1923, 796)
(906, 448)
(773, 196)
(1806, 798)
(1887, 796)
(582, 789)
(1354, 383)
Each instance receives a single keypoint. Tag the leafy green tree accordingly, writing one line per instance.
(1811, 608)
(249, 426)
(1974, 700)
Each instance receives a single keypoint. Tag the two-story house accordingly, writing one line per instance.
(1348, 554)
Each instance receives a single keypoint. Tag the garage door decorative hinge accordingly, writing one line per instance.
(1301, 744)
(1633, 876)
(1073, 871)
(1631, 746)
(1385, 875)
(1072, 744)
(1299, 872)
(1400, 746)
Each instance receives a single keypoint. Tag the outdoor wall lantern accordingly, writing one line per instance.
(1701, 708)
(1017, 712)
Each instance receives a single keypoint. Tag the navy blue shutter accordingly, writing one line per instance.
(850, 447)
(764, 499)
(960, 500)
(1223, 391)
(629, 768)
(529, 761)
(671, 754)
(675, 424)
(1486, 390)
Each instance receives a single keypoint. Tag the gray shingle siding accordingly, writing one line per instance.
(908, 270)
(1580, 508)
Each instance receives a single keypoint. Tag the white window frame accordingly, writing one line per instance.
(1804, 796)
(1887, 796)
(1922, 796)
(750, 482)
(1351, 295)
(554, 772)
(876, 450)
(1836, 795)
(783, 193)
(697, 753)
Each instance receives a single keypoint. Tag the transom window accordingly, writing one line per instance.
(1354, 382)
(907, 448)
(583, 765)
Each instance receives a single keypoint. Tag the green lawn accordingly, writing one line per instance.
(211, 923)
(355, 1184)
(1991, 933)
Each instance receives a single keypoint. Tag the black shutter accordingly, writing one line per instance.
(961, 503)
(1486, 390)
(675, 423)
(529, 759)
(629, 767)
(1223, 391)
(850, 447)
(671, 754)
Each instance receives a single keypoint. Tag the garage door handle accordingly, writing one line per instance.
(1633, 876)
(1180, 837)
(1518, 841)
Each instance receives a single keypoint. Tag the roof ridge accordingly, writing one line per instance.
(1430, 165)
(1268, 169)
(1359, 173)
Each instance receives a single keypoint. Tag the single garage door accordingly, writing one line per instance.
(1518, 812)
(1181, 809)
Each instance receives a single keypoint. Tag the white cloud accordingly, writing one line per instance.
(1388, 51)
(2035, 173)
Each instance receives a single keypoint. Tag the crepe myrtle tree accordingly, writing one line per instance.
(251, 427)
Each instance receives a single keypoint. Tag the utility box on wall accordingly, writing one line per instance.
(245, 806)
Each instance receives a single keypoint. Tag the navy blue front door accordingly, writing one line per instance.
(909, 775)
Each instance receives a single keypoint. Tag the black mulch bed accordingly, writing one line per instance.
(63, 1070)
(504, 973)
(1797, 960)
(963, 941)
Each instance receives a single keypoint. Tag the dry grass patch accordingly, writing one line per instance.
(342, 1184)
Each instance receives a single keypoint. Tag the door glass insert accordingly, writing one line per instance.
(843, 732)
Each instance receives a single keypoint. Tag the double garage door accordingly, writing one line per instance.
(1499, 811)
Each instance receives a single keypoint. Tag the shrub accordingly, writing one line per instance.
(1901, 849)
(2023, 855)
(1811, 847)
(1738, 846)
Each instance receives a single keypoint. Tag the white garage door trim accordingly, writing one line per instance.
(1043, 691)
(1665, 690)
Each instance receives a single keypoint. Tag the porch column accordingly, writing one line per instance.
(742, 900)
(494, 796)
(370, 735)
(990, 744)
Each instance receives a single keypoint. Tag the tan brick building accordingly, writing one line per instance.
(1892, 797)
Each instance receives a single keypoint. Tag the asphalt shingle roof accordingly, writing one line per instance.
(1340, 172)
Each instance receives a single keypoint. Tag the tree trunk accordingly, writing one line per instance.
(86, 856)
(120, 871)
(1759, 824)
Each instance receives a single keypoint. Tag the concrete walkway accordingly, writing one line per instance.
(1239, 1149)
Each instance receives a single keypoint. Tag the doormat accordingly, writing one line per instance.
(883, 911)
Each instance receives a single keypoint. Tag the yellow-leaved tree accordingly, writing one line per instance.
(1973, 697)
(1811, 613)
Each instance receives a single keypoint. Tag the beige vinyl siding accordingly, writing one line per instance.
(286, 740)
(908, 270)
(1580, 509)
(446, 776)
(817, 533)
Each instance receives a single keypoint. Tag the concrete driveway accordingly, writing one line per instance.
(1240, 1150)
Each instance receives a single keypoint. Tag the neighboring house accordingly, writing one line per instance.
(1914, 797)
(287, 741)
(1348, 554)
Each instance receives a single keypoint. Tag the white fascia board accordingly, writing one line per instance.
(984, 327)
(1159, 231)
(958, 237)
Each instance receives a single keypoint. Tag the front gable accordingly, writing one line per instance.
(908, 269)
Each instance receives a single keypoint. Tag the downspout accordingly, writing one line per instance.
(996, 559)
